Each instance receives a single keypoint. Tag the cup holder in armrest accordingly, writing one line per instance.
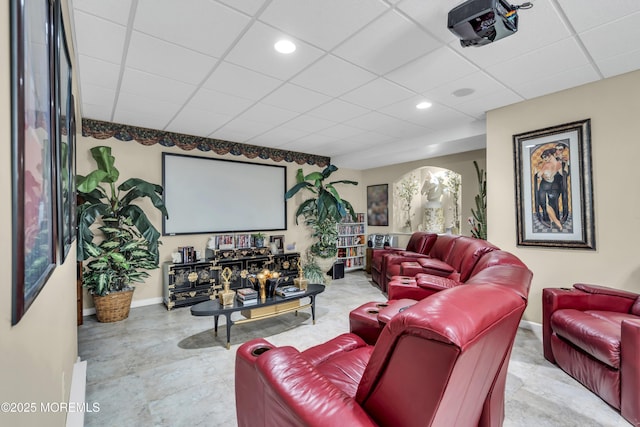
(382, 305)
(259, 350)
(372, 311)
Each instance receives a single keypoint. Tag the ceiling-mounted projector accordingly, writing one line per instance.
(480, 22)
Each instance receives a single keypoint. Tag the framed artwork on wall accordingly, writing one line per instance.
(554, 190)
(378, 204)
(65, 147)
(33, 150)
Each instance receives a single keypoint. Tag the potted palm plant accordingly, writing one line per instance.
(128, 242)
(321, 212)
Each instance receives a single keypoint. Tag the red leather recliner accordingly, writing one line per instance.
(593, 333)
(419, 245)
(440, 362)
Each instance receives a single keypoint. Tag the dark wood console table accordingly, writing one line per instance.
(271, 307)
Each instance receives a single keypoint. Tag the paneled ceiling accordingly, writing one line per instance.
(349, 91)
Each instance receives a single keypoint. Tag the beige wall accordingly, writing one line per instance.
(461, 163)
(613, 106)
(37, 354)
(139, 161)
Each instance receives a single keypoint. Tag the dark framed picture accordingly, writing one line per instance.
(65, 147)
(554, 190)
(32, 139)
(378, 204)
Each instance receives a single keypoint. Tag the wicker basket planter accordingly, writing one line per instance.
(113, 307)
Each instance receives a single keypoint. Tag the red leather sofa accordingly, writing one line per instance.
(476, 258)
(593, 333)
(419, 245)
(451, 256)
(439, 362)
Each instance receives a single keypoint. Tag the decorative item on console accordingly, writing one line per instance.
(265, 282)
(226, 295)
(300, 281)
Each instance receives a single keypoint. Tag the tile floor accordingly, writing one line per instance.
(166, 368)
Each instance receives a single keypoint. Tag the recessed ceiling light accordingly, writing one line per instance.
(285, 46)
(423, 105)
(465, 91)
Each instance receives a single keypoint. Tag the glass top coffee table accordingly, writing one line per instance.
(270, 307)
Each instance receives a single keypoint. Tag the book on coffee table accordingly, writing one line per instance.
(246, 294)
(289, 291)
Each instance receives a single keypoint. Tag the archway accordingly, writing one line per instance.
(428, 199)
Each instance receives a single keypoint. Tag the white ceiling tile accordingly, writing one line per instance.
(263, 113)
(295, 98)
(99, 72)
(440, 117)
(338, 111)
(192, 121)
(249, 7)
(333, 76)
(309, 124)
(612, 66)
(113, 10)
(432, 15)
(206, 26)
(278, 137)
(387, 43)
(155, 87)
(479, 106)
(480, 82)
(375, 121)
(544, 85)
(236, 80)
(132, 106)
(555, 58)
(440, 66)
(612, 39)
(255, 51)
(99, 38)
(217, 102)
(587, 14)
(156, 56)
(96, 111)
(322, 23)
(340, 131)
(241, 130)
(98, 95)
(376, 94)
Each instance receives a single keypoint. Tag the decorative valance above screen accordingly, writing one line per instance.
(103, 130)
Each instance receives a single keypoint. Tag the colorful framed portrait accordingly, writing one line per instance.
(554, 189)
(378, 204)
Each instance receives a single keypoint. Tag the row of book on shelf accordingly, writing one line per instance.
(359, 218)
(351, 229)
(351, 240)
(249, 296)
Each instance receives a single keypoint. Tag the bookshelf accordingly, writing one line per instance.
(352, 242)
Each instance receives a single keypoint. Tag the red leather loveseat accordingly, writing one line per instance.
(440, 362)
(593, 333)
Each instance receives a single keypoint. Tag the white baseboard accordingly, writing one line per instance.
(134, 304)
(77, 394)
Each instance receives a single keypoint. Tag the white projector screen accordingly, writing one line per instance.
(205, 195)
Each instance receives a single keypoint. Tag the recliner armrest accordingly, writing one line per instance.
(297, 394)
(630, 371)
(605, 290)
